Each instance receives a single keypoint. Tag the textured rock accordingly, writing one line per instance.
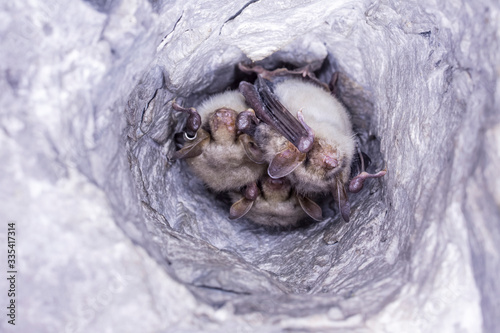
(114, 236)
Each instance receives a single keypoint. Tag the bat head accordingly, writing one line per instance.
(222, 125)
(276, 189)
(323, 156)
(331, 153)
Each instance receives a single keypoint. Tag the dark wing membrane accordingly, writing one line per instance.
(269, 109)
(340, 196)
(253, 99)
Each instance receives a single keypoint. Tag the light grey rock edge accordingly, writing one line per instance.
(114, 236)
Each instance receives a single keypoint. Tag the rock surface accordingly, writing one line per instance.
(112, 235)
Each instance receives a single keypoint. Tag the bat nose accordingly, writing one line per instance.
(277, 183)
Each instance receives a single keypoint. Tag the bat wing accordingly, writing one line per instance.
(269, 109)
(240, 208)
(194, 148)
(285, 162)
(253, 151)
(310, 207)
(340, 195)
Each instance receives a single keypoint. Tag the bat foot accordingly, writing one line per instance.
(305, 72)
(357, 182)
(193, 122)
(246, 122)
(261, 71)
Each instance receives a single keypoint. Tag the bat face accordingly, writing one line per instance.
(222, 123)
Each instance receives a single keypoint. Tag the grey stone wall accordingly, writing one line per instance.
(113, 235)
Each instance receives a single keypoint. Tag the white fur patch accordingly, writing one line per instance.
(229, 99)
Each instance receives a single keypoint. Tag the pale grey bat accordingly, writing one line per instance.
(297, 111)
(215, 150)
(276, 204)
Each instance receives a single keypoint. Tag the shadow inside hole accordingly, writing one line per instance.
(232, 261)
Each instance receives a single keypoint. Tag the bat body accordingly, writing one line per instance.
(333, 147)
(219, 155)
(307, 135)
(325, 164)
(277, 205)
(287, 123)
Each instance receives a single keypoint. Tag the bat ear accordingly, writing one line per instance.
(285, 162)
(240, 208)
(253, 151)
(340, 195)
(310, 207)
(194, 120)
(193, 148)
(247, 121)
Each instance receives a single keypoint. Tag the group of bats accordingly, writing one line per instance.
(275, 146)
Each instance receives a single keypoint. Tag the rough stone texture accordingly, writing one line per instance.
(114, 236)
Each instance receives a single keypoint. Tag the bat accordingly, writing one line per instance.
(295, 111)
(216, 150)
(275, 204)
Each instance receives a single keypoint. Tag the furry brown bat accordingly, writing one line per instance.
(215, 150)
(321, 121)
(277, 204)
